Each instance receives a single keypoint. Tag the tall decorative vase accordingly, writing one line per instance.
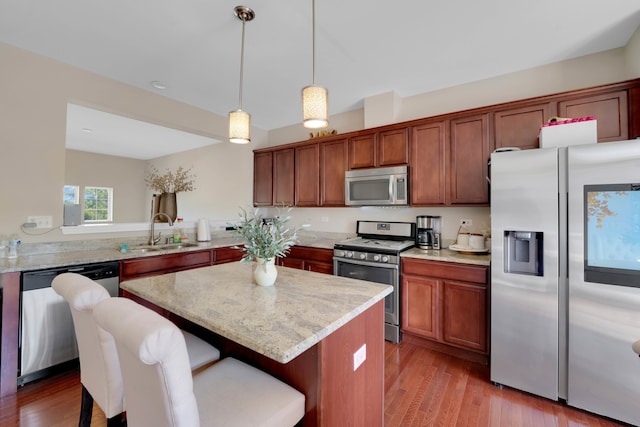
(265, 272)
(167, 203)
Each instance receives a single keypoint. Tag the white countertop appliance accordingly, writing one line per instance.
(565, 274)
(375, 256)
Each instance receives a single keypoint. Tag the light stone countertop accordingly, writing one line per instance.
(280, 321)
(447, 255)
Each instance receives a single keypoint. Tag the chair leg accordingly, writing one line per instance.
(86, 408)
(116, 421)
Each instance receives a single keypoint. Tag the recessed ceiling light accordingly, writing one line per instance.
(158, 85)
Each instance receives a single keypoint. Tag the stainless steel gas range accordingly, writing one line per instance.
(375, 256)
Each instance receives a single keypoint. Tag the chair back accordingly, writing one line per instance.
(99, 365)
(158, 385)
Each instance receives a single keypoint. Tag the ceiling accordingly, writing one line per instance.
(363, 48)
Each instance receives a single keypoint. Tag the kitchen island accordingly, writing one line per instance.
(305, 330)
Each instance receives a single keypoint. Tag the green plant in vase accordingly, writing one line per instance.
(264, 241)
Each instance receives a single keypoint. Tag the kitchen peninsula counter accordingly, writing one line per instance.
(304, 330)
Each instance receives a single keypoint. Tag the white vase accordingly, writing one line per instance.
(265, 272)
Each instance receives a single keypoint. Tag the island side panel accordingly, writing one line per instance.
(348, 397)
(10, 312)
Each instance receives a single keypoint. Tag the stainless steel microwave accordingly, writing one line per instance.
(375, 187)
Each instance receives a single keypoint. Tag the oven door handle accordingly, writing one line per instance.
(365, 263)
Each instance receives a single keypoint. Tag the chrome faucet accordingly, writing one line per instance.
(152, 238)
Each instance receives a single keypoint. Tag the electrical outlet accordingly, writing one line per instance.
(41, 221)
(466, 222)
(359, 357)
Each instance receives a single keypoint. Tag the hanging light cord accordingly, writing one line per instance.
(244, 21)
(313, 37)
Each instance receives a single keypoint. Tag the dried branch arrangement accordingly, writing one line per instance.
(170, 182)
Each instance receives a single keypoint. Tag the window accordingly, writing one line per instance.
(98, 202)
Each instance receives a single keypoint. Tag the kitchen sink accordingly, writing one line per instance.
(164, 247)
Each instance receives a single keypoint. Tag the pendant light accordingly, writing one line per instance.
(240, 121)
(315, 98)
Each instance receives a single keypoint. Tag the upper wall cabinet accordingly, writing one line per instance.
(263, 179)
(283, 177)
(469, 153)
(610, 110)
(334, 160)
(379, 149)
(307, 171)
(520, 126)
(428, 167)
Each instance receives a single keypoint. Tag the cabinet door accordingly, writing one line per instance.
(634, 113)
(393, 147)
(318, 267)
(468, 156)
(362, 151)
(420, 306)
(610, 110)
(333, 164)
(520, 127)
(428, 146)
(465, 315)
(263, 179)
(307, 175)
(292, 262)
(283, 179)
(227, 254)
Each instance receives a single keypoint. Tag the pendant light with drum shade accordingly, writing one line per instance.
(240, 121)
(315, 99)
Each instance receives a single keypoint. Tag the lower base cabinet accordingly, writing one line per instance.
(307, 258)
(446, 303)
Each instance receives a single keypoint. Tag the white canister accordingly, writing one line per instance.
(463, 240)
(203, 234)
(476, 241)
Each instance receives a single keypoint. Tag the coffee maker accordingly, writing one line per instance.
(428, 232)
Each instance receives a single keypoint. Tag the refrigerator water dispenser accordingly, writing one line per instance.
(523, 252)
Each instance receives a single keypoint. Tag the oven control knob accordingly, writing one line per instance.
(349, 254)
(363, 256)
(376, 257)
(385, 258)
(342, 254)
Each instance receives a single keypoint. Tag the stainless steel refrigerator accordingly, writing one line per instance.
(565, 275)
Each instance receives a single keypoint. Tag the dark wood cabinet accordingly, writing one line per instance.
(307, 173)
(469, 152)
(308, 258)
(380, 149)
(263, 179)
(283, 177)
(160, 264)
(446, 303)
(226, 254)
(393, 147)
(520, 126)
(610, 110)
(362, 151)
(428, 167)
(334, 157)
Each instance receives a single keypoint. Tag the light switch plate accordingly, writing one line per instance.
(359, 356)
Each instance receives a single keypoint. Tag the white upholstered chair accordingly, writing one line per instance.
(160, 391)
(99, 366)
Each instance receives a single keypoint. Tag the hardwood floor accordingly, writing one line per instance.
(422, 388)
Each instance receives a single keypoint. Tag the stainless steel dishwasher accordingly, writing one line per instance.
(47, 338)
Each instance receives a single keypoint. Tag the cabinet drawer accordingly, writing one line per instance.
(445, 270)
(227, 254)
(309, 253)
(138, 267)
